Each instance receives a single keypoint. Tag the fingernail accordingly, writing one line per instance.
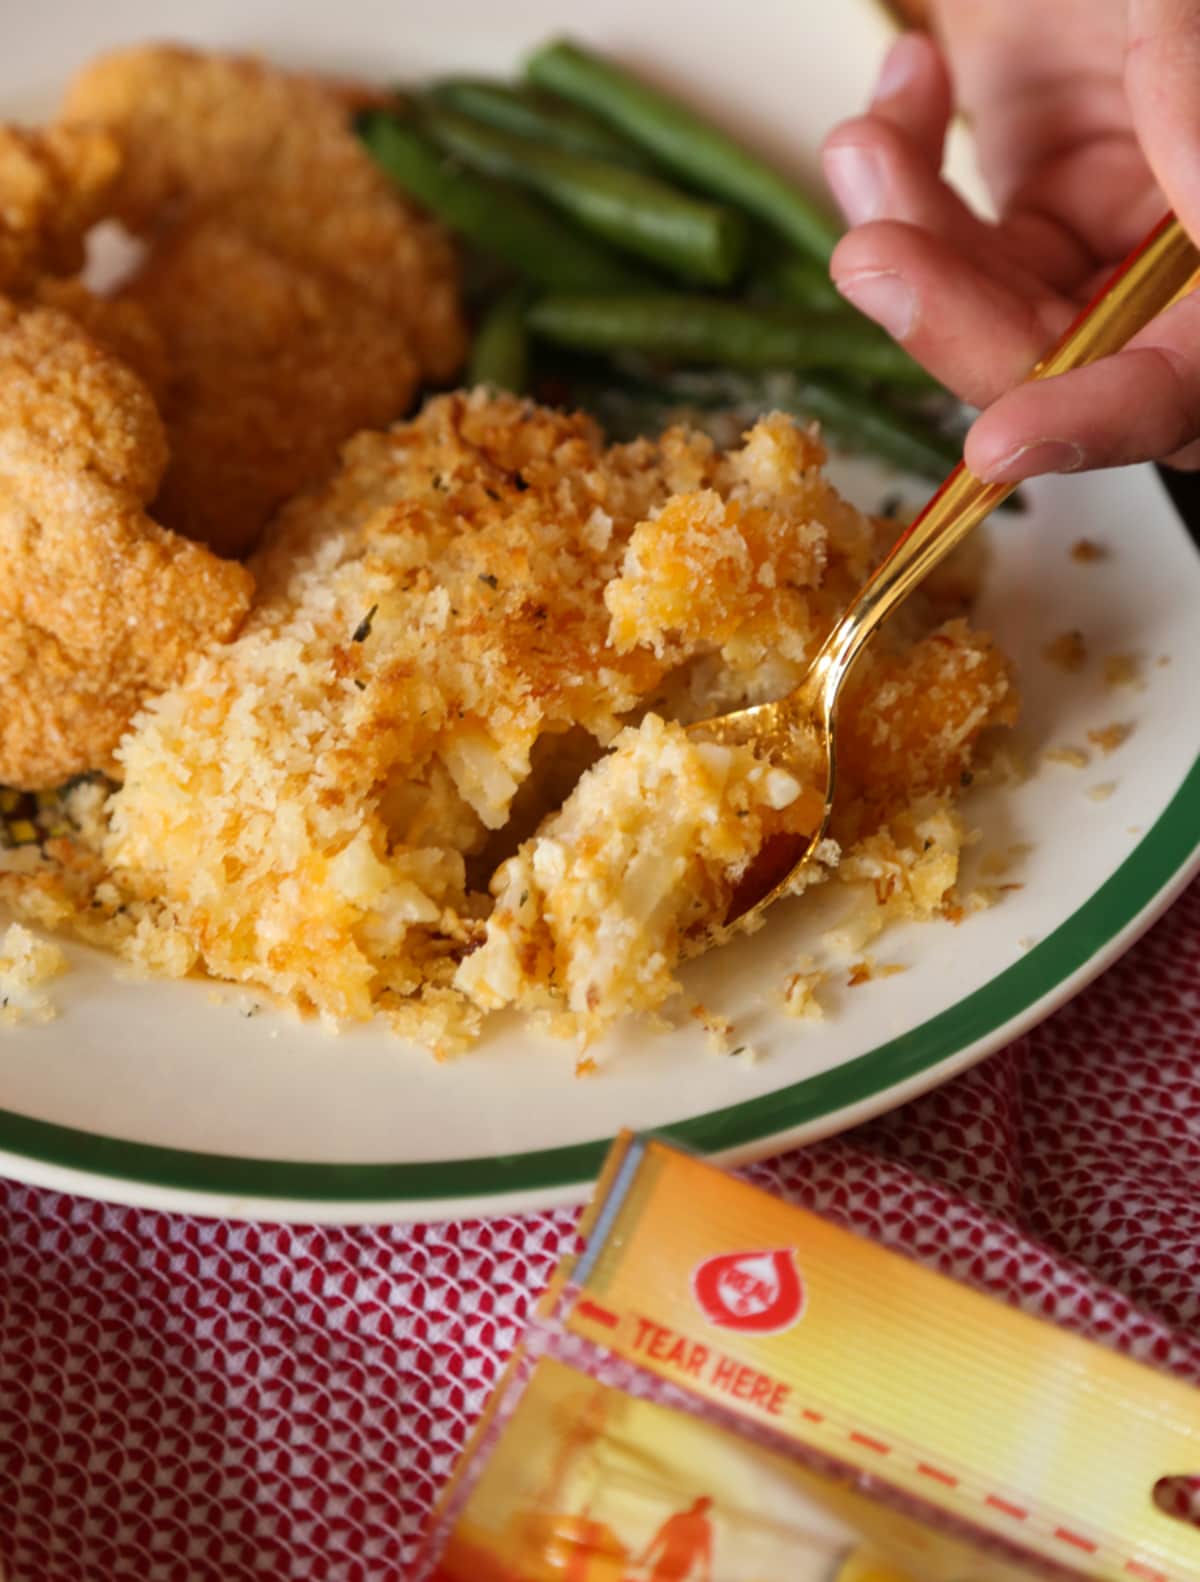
(1030, 461)
(900, 66)
(884, 297)
(856, 177)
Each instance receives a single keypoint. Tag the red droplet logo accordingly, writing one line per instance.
(759, 1293)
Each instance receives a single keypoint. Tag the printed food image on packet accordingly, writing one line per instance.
(588, 1484)
(725, 1387)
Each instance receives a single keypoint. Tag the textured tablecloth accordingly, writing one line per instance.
(184, 1400)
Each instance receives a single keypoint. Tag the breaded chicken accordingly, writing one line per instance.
(283, 248)
(99, 606)
(54, 185)
(272, 366)
(119, 324)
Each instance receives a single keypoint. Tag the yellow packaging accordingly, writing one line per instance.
(727, 1388)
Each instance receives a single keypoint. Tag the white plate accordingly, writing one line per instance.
(169, 1095)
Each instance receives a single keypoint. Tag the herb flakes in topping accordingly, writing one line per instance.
(363, 630)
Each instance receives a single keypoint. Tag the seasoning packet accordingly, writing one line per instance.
(725, 1388)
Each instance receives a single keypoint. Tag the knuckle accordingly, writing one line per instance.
(1183, 391)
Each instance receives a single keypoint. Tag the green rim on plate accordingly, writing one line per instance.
(1161, 855)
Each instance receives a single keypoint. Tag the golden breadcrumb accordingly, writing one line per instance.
(299, 295)
(868, 971)
(272, 366)
(1087, 551)
(446, 635)
(1123, 670)
(1109, 737)
(1073, 757)
(27, 964)
(800, 995)
(1068, 651)
(905, 871)
(99, 606)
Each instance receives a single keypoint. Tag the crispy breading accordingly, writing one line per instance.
(120, 325)
(54, 185)
(273, 153)
(272, 367)
(289, 232)
(99, 606)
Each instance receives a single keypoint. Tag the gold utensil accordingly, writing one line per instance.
(1162, 268)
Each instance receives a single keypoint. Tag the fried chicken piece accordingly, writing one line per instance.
(283, 247)
(121, 326)
(54, 186)
(99, 606)
(272, 367)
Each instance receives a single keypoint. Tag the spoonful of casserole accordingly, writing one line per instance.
(747, 796)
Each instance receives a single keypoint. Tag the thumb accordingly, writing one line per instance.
(1162, 85)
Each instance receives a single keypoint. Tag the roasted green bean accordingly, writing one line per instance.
(695, 329)
(500, 349)
(504, 221)
(698, 240)
(684, 143)
(530, 112)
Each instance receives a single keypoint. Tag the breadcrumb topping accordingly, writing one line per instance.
(1073, 757)
(27, 963)
(445, 640)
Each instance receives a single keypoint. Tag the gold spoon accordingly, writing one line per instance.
(1161, 268)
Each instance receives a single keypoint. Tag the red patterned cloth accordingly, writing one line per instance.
(184, 1400)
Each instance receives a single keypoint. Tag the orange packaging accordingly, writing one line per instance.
(725, 1388)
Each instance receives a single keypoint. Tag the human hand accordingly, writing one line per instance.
(1085, 113)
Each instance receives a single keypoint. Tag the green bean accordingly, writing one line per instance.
(531, 113)
(684, 142)
(860, 421)
(694, 329)
(857, 421)
(503, 221)
(798, 280)
(500, 349)
(639, 213)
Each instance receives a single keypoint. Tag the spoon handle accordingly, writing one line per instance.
(1160, 269)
